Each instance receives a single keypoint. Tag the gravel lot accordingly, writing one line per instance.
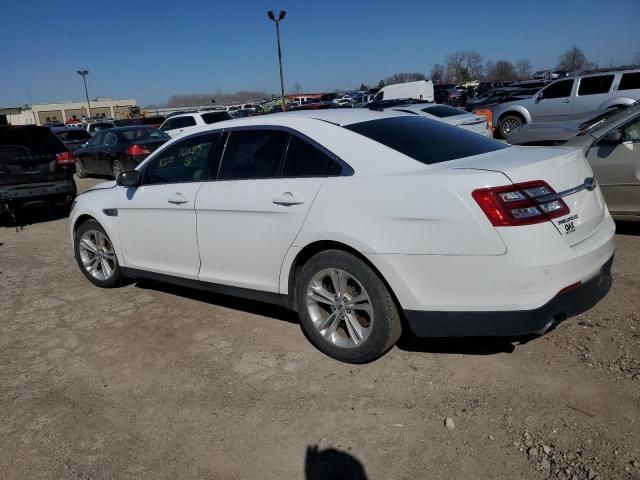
(154, 381)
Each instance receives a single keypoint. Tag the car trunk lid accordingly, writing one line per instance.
(565, 170)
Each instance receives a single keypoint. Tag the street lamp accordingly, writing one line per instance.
(281, 16)
(83, 74)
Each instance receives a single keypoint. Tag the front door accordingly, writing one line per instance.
(554, 102)
(251, 215)
(617, 168)
(157, 219)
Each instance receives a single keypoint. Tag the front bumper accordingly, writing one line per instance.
(512, 323)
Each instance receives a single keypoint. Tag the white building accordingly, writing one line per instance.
(39, 114)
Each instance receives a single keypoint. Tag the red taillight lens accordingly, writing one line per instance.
(520, 204)
(65, 158)
(136, 150)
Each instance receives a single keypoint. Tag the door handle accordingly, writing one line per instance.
(287, 199)
(177, 199)
(566, 100)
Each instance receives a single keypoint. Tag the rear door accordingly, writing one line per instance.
(89, 154)
(250, 216)
(592, 92)
(617, 168)
(555, 102)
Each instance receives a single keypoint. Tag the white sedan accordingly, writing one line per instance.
(363, 222)
(447, 114)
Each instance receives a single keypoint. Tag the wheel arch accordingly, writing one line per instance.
(318, 246)
(81, 219)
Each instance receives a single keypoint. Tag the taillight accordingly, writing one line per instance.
(136, 150)
(65, 158)
(520, 204)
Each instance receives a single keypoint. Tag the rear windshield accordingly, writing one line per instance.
(75, 134)
(34, 140)
(427, 141)
(214, 117)
(144, 134)
(442, 111)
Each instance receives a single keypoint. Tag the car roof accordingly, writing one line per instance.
(127, 128)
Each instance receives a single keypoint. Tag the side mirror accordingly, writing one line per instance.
(130, 178)
(612, 138)
(540, 95)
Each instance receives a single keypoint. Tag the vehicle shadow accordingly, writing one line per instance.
(32, 215)
(461, 345)
(332, 464)
(226, 301)
(628, 228)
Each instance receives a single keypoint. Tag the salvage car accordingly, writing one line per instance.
(613, 150)
(117, 149)
(35, 169)
(447, 114)
(361, 222)
(185, 122)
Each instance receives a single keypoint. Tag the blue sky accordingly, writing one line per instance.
(151, 49)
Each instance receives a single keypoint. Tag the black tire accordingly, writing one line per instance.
(81, 172)
(116, 168)
(385, 326)
(509, 123)
(116, 278)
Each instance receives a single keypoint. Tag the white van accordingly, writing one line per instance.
(420, 90)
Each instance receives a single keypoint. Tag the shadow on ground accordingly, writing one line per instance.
(628, 228)
(332, 464)
(23, 218)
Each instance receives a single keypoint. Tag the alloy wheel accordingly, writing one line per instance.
(97, 255)
(340, 308)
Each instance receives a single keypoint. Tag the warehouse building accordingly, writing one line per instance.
(40, 114)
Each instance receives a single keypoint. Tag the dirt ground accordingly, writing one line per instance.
(154, 381)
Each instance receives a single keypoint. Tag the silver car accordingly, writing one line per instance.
(613, 150)
(570, 96)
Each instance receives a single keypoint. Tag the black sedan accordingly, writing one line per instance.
(72, 137)
(115, 150)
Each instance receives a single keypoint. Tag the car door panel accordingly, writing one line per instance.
(556, 108)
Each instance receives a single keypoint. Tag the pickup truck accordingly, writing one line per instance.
(35, 169)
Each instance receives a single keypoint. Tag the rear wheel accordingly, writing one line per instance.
(95, 255)
(510, 123)
(345, 309)
(80, 170)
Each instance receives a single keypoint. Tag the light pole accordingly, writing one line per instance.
(281, 16)
(83, 74)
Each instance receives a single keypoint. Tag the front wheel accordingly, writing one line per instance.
(510, 123)
(345, 309)
(95, 255)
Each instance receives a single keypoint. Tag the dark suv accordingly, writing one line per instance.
(35, 168)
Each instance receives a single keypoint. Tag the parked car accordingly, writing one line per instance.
(355, 218)
(570, 96)
(447, 114)
(35, 168)
(613, 150)
(152, 121)
(419, 90)
(545, 75)
(95, 127)
(499, 95)
(180, 124)
(72, 137)
(447, 93)
(118, 149)
(557, 133)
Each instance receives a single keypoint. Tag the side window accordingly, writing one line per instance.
(190, 160)
(630, 81)
(110, 139)
(558, 89)
(305, 160)
(182, 122)
(168, 125)
(595, 85)
(253, 154)
(631, 131)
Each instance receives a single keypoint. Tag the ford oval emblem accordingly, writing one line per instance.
(590, 183)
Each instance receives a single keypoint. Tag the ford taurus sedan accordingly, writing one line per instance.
(363, 222)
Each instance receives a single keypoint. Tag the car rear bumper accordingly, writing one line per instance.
(33, 191)
(512, 323)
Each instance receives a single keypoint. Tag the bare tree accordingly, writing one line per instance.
(297, 88)
(502, 71)
(456, 71)
(404, 77)
(472, 65)
(636, 58)
(573, 60)
(437, 72)
(488, 69)
(523, 67)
